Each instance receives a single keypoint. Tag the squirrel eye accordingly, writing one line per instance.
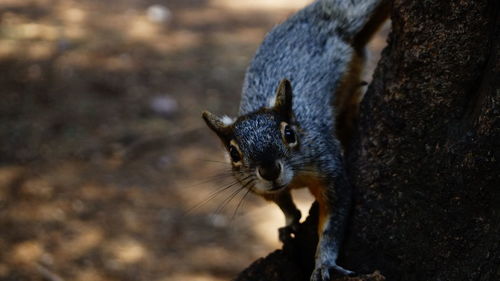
(289, 135)
(235, 155)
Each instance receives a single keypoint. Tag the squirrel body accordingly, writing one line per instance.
(284, 139)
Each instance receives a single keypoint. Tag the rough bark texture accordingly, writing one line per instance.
(424, 162)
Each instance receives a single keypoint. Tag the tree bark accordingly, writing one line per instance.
(424, 162)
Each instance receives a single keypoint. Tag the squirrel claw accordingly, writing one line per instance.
(327, 273)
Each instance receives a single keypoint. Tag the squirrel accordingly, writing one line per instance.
(284, 139)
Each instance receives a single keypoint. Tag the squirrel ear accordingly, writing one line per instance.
(283, 102)
(219, 125)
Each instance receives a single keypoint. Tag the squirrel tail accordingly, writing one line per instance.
(350, 92)
(352, 15)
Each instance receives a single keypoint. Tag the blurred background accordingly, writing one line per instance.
(107, 171)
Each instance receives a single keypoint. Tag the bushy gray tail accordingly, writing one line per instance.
(351, 15)
(359, 22)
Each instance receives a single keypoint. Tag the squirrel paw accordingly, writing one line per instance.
(327, 273)
(285, 233)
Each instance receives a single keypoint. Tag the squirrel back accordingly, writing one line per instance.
(305, 50)
(284, 137)
(320, 50)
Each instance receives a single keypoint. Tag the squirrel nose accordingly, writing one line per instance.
(270, 172)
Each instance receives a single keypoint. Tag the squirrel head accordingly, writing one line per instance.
(261, 145)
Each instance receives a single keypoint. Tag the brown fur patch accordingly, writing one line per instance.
(317, 187)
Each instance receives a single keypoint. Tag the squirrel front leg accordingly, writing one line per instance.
(292, 214)
(334, 198)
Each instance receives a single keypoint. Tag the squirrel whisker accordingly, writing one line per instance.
(213, 195)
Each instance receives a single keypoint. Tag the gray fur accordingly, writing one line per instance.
(311, 49)
(307, 50)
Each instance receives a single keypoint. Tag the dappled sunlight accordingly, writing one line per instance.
(70, 27)
(26, 212)
(141, 29)
(91, 275)
(13, 48)
(73, 15)
(26, 252)
(83, 239)
(260, 4)
(125, 250)
(28, 31)
(192, 277)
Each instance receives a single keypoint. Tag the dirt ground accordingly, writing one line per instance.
(105, 163)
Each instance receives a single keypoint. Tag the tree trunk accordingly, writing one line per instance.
(424, 161)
